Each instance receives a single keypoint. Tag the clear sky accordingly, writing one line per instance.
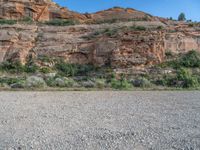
(163, 8)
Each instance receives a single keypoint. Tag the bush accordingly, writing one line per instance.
(45, 70)
(183, 79)
(110, 32)
(35, 82)
(168, 54)
(88, 84)
(190, 59)
(17, 67)
(109, 21)
(11, 81)
(188, 81)
(138, 28)
(30, 68)
(142, 82)
(160, 27)
(181, 17)
(9, 22)
(13, 67)
(64, 82)
(100, 83)
(66, 69)
(120, 84)
(61, 22)
(50, 81)
(28, 20)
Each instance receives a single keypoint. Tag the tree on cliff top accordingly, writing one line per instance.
(181, 17)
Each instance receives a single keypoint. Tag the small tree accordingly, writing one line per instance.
(181, 17)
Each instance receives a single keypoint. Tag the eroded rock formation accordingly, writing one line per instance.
(39, 10)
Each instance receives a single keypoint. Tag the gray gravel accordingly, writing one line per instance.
(100, 120)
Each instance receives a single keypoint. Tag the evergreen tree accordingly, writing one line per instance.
(181, 17)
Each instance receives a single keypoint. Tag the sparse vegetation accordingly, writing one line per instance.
(168, 54)
(100, 83)
(138, 28)
(61, 22)
(9, 22)
(13, 67)
(142, 82)
(121, 83)
(182, 79)
(185, 74)
(27, 20)
(71, 70)
(190, 59)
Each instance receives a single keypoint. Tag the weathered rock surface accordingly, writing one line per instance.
(40, 10)
(43, 10)
(125, 49)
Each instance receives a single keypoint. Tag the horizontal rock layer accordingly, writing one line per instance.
(77, 44)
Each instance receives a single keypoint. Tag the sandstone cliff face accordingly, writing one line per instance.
(16, 41)
(40, 10)
(180, 42)
(125, 49)
(44, 10)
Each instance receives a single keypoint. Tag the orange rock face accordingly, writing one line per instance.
(39, 10)
(123, 50)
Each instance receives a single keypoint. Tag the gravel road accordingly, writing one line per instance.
(100, 120)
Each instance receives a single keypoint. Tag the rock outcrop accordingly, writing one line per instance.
(44, 10)
(39, 10)
(125, 49)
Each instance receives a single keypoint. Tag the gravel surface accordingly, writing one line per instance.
(100, 120)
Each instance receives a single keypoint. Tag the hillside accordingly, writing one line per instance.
(127, 41)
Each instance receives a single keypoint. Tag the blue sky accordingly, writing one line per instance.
(163, 8)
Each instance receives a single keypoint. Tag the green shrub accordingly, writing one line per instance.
(186, 77)
(31, 68)
(120, 84)
(100, 83)
(64, 82)
(110, 32)
(45, 70)
(44, 58)
(28, 20)
(183, 79)
(138, 28)
(160, 27)
(190, 59)
(13, 67)
(66, 69)
(168, 53)
(10, 80)
(109, 21)
(142, 82)
(61, 22)
(9, 22)
(17, 67)
(50, 82)
(35, 82)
